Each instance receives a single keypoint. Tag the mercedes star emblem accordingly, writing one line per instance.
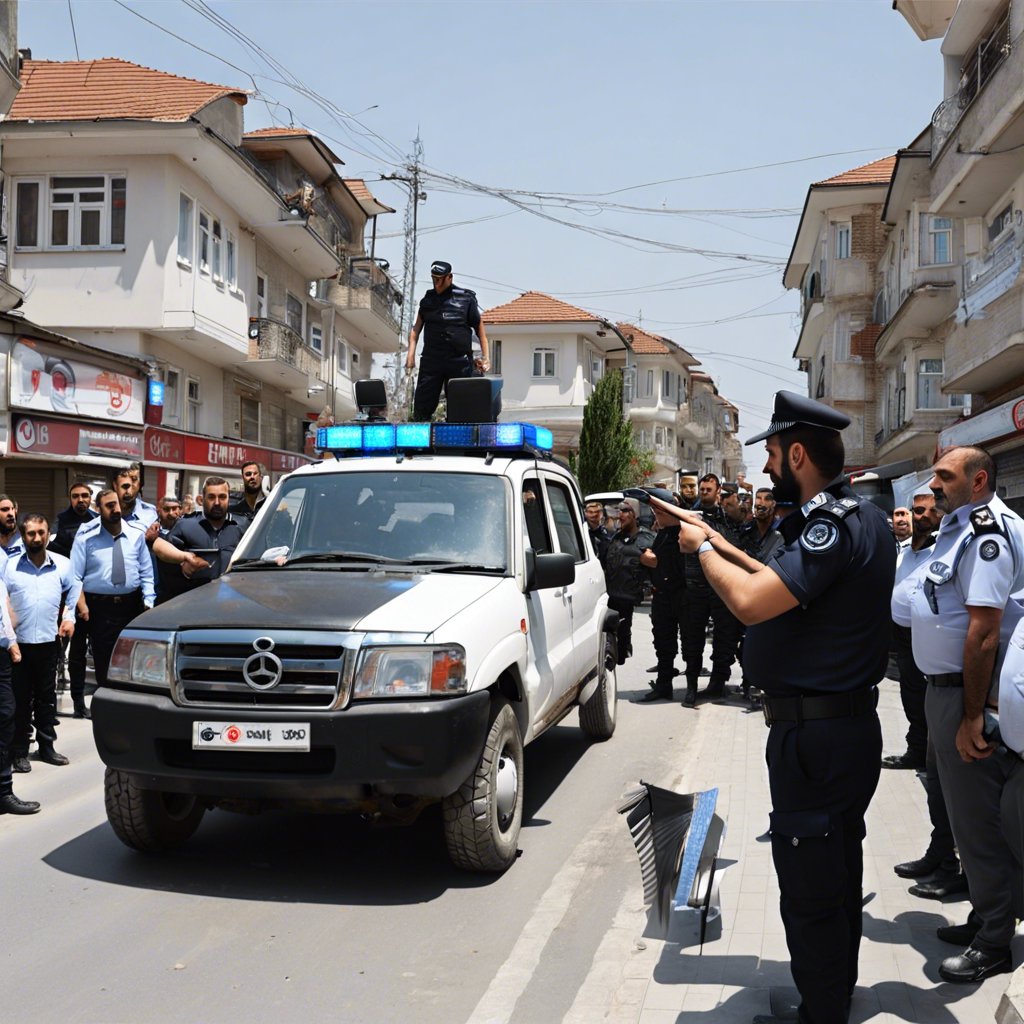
(262, 670)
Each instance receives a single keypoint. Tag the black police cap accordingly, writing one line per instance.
(439, 268)
(793, 410)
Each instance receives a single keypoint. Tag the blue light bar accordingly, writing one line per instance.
(515, 435)
(455, 435)
(413, 435)
(378, 437)
(347, 437)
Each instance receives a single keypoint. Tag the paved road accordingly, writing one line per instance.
(285, 917)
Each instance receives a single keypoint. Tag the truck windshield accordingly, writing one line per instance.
(449, 518)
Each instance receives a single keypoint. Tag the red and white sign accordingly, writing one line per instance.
(177, 449)
(34, 435)
(1002, 421)
(45, 379)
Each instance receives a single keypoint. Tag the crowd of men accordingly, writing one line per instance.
(73, 585)
(683, 605)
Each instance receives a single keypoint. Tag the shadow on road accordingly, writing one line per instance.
(289, 857)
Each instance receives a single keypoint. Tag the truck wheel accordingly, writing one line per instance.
(482, 818)
(146, 819)
(597, 716)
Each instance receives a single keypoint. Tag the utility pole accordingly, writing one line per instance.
(411, 179)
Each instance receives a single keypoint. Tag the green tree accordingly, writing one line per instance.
(607, 459)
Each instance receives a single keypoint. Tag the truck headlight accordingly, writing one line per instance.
(410, 672)
(140, 660)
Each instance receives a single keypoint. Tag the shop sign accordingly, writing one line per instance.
(1001, 421)
(183, 449)
(46, 379)
(34, 435)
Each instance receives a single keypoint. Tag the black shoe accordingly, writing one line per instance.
(716, 692)
(704, 672)
(82, 712)
(652, 696)
(946, 883)
(10, 804)
(21, 763)
(917, 868)
(973, 965)
(50, 756)
(959, 934)
(690, 699)
(898, 761)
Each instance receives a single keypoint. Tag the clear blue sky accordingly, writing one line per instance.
(574, 98)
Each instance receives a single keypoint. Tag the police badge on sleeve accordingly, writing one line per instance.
(989, 550)
(819, 535)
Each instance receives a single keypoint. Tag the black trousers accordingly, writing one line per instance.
(35, 695)
(6, 722)
(702, 603)
(434, 374)
(822, 775)
(668, 618)
(624, 606)
(107, 617)
(913, 686)
(76, 653)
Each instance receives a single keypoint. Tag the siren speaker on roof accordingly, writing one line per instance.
(474, 399)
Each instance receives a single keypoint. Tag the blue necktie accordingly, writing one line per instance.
(117, 573)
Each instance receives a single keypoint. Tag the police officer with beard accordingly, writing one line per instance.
(818, 634)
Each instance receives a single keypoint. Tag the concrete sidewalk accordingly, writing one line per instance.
(743, 961)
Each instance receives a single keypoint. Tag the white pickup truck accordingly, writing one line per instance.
(395, 627)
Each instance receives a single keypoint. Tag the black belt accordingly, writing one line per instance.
(806, 708)
(947, 679)
(135, 595)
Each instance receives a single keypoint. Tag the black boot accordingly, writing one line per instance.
(48, 755)
(81, 711)
(10, 804)
(690, 697)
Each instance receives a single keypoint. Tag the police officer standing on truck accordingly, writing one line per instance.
(818, 634)
(450, 315)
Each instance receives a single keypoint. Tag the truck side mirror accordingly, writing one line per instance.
(545, 572)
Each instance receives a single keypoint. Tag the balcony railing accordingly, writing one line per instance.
(985, 279)
(363, 277)
(978, 68)
(272, 339)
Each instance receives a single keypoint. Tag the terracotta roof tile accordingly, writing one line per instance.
(537, 308)
(878, 172)
(643, 343)
(273, 133)
(110, 89)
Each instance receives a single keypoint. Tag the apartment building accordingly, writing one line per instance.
(147, 223)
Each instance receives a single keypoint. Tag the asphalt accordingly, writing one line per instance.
(743, 968)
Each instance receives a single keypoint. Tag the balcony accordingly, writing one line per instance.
(368, 299)
(923, 307)
(278, 356)
(976, 130)
(986, 278)
(916, 437)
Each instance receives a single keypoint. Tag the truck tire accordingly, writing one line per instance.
(597, 716)
(147, 819)
(483, 817)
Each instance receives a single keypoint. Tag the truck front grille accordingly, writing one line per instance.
(209, 666)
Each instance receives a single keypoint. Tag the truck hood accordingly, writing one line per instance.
(330, 600)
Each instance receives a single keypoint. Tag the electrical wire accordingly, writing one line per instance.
(74, 33)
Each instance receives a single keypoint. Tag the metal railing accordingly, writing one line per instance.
(978, 68)
(272, 339)
(385, 298)
(980, 271)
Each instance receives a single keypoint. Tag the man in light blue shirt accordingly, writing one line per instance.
(134, 509)
(111, 564)
(38, 582)
(10, 537)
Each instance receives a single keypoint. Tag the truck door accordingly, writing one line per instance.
(549, 629)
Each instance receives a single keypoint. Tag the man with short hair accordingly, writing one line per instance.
(818, 635)
(450, 315)
(687, 489)
(110, 563)
(10, 536)
(962, 614)
(902, 525)
(252, 498)
(203, 545)
(593, 512)
(39, 584)
(79, 513)
(134, 509)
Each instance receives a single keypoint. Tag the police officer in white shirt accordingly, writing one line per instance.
(960, 613)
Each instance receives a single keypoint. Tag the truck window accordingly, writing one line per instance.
(534, 518)
(566, 526)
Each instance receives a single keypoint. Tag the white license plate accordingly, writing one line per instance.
(250, 736)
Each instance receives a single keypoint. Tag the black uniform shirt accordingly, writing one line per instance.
(837, 561)
(68, 523)
(449, 319)
(198, 533)
(624, 576)
(599, 538)
(750, 541)
(669, 575)
(241, 510)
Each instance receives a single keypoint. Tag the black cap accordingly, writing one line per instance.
(439, 268)
(792, 410)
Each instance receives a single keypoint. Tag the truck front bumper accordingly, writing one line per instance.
(422, 749)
